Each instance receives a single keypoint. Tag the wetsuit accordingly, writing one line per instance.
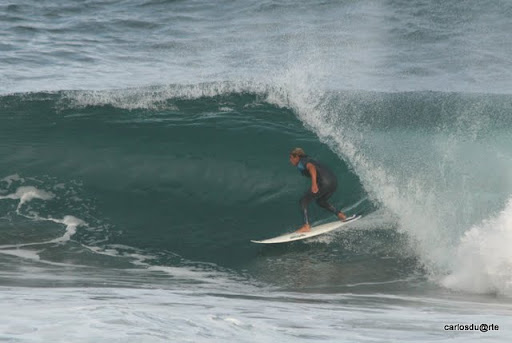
(327, 184)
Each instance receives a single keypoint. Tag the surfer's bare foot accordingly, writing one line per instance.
(304, 228)
(342, 216)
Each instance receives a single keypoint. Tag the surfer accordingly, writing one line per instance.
(323, 185)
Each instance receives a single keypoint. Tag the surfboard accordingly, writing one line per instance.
(315, 231)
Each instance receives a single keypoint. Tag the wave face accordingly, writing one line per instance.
(185, 175)
(173, 178)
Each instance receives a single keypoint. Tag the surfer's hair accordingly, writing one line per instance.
(298, 152)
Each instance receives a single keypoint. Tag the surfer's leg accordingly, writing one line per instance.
(322, 202)
(304, 203)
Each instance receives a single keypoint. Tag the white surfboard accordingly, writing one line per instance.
(315, 231)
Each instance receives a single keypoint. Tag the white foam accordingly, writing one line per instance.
(483, 260)
(159, 315)
(137, 256)
(71, 225)
(12, 178)
(24, 195)
(157, 97)
(28, 193)
(26, 254)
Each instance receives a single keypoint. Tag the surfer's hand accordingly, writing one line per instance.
(314, 189)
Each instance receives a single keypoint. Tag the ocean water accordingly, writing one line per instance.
(144, 143)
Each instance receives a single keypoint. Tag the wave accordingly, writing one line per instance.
(200, 162)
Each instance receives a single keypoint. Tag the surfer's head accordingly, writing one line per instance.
(295, 155)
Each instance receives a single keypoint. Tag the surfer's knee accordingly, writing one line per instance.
(305, 200)
(325, 204)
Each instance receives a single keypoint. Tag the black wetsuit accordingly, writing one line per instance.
(327, 184)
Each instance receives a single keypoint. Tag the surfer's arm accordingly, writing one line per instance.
(312, 171)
